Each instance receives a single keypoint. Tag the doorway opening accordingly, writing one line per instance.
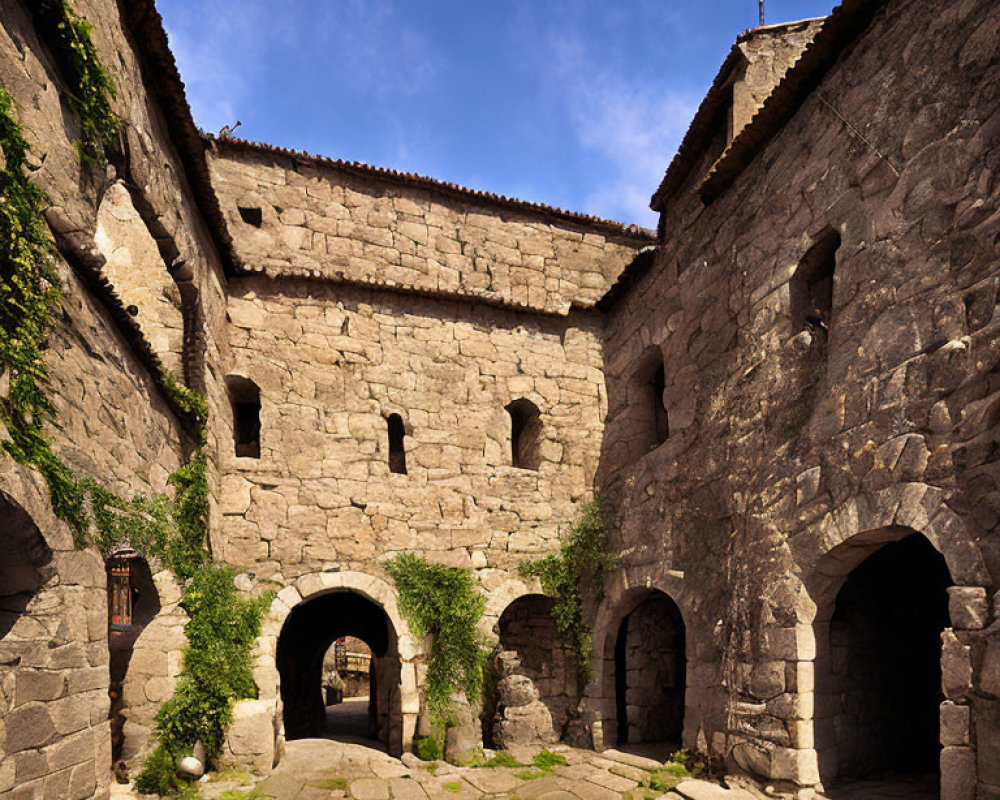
(353, 636)
(650, 674)
(132, 604)
(878, 670)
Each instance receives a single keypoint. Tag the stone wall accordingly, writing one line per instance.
(156, 661)
(795, 454)
(55, 738)
(112, 421)
(333, 363)
(136, 270)
(321, 218)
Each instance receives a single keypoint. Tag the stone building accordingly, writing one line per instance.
(787, 397)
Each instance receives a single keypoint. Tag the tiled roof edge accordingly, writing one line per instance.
(395, 287)
(619, 229)
(164, 82)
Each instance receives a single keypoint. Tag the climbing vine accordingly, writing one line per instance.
(442, 602)
(223, 622)
(90, 89)
(571, 575)
(218, 669)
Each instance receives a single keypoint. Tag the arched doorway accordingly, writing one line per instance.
(650, 673)
(532, 661)
(878, 663)
(306, 637)
(24, 567)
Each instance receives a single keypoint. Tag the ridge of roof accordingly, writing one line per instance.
(838, 29)
(777, 26)
(845, 22)
(703, 123)
(622, 229)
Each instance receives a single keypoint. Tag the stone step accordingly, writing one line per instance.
(641, 762)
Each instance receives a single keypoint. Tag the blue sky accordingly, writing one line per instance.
(576, 103)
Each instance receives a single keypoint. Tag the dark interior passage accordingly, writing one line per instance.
(24, 565)
(305, 638)
(650, 668)
(879, 692)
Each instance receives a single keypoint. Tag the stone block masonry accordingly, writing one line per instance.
(333, 364)
(292, 214)
(790, 407)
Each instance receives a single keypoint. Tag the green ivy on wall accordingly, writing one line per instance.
(90, 89)
(218, 669)
(571, 575)
(442, 602)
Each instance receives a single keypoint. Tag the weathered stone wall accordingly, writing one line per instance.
(136, 270)
(777, 464)
(55, 738)
(333, 363)
(112, 420)
(318, 219)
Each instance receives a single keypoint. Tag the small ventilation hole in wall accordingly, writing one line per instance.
(251, 216)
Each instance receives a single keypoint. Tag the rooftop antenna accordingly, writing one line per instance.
(760, 4)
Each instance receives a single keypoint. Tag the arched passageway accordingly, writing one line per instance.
(878, 665)
(308, 632)
(649, 673)
(24, 565)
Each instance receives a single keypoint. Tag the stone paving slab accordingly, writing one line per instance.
(406, 789)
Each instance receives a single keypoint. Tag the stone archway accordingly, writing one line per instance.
(650, 666)
(831, 551)
(640, 629)
(537, 691)
(878, 663)
(305, 638)
(321, 607)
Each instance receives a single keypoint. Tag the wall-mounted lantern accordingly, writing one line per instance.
(120, 589)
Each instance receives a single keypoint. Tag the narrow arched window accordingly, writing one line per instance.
(525, 434)
(397, 450)
(661, 426)
(244, 396)
(646, 400)
(811, 288)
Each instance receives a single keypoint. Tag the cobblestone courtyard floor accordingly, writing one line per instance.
(323, 769)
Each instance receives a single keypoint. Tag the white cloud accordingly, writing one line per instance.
(626, 120)
(224, 54)
(633, 128)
